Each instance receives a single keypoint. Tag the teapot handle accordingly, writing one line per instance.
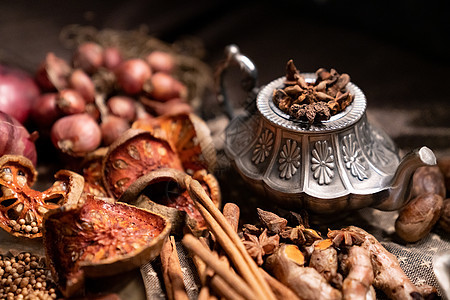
(233, 56)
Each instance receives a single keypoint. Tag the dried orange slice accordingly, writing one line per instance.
(134, 154)
(188, 135)
(99, 238)
(22, 208)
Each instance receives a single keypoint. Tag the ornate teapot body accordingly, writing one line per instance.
(343, 163)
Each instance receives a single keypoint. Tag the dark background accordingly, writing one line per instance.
(397, 52)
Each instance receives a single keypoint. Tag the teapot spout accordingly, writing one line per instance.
(399, 191)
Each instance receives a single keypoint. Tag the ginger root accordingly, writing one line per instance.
(358, 283)
(286, 264)
(389, 277)
(325, 260)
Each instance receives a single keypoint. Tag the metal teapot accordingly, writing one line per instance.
(344, 163)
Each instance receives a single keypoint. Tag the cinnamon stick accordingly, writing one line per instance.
(232, 251)
(172, 274)
(231, 212)
(223, 289)
(209, 278)
(229, 240)
(232, 279)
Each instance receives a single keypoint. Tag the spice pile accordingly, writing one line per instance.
(313, 102)
(25, 276)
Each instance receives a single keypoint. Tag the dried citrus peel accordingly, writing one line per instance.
(100, 238)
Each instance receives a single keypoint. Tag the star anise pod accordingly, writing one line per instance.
(260, 246)
(298, 218)
(251, 229)
(273, 222)
(345, 238)
(300, 235)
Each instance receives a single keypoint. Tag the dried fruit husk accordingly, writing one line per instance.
(92, 170)
(188, 135)
(20, 203)
(98, 237)
(164, 191)
(134, 154)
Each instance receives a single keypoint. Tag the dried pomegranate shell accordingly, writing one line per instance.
(188, 135)
(21, 208)
(132, 155)
(164, 191)
(98, 237)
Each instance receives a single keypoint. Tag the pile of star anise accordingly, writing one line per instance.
(263, 239)
(313, 102)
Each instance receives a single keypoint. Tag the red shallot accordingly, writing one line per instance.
(112, 58)
(70, 102)
(122, 106)
(89, 57)
(83, 84)
(76, 134)
(17, 92)
(112, 128)
(53, 73)
(132, 74)
(163, 87)
(15, 139)
(44, 111)
(161, 61)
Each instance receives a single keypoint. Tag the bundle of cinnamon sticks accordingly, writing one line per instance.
(226, 270)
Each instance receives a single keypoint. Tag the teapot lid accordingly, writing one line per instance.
(271, 112)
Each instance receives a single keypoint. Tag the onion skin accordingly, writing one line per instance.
(44, 111)
(76, 134)
(132, 74)
(15, 139)
(18, 91)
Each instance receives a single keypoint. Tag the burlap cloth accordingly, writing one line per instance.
(415, 259)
